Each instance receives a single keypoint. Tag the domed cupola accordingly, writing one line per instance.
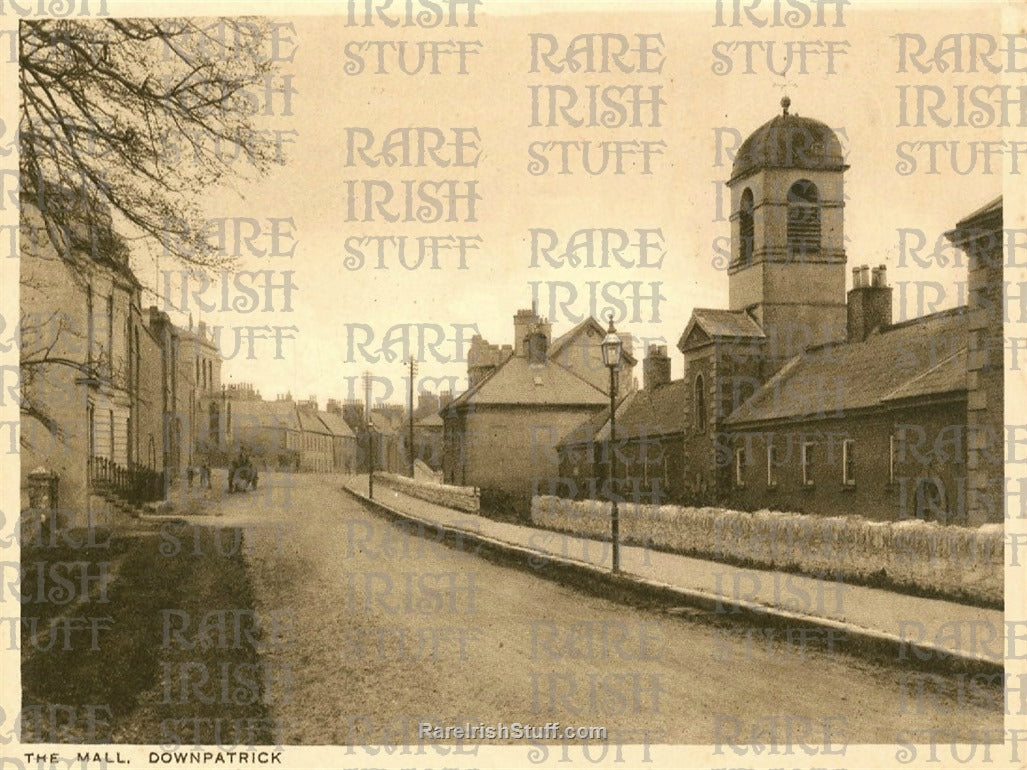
(789, 142)
(787, 264)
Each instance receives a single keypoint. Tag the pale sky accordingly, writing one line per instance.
(861, 101)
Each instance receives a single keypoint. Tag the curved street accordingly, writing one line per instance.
(387, 630)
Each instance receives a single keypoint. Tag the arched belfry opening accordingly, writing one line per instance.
(746, 228)
(803, 219)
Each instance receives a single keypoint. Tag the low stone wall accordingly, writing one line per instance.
(461, 498)
(955, 561)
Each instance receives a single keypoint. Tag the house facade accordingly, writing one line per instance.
(522, 410)
(77, 398)
(316, 445)
(344, 441)
(108, 409)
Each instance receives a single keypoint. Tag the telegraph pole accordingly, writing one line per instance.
(370, 434)
(413, 371)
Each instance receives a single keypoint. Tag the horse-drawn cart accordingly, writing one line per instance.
(242, 475)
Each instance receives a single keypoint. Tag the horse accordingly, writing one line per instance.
(242, 477)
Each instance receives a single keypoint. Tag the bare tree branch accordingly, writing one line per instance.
(140, 116)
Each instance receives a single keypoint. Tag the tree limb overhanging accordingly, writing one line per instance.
(141, 117)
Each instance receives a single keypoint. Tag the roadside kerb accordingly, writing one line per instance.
(880, 644)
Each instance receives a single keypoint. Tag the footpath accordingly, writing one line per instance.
(913, 628)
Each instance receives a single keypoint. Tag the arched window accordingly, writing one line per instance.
(700, 404)
(746, 230)
(803, 218)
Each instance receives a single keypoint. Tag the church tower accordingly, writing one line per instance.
(787, 268)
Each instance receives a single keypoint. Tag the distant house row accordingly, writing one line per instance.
(289, 435)
(296, 434)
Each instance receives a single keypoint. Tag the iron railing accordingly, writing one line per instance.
(135, 485)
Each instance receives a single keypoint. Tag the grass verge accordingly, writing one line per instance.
(104, 668)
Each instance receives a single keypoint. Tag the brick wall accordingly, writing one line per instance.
(930, 444)
(525, 438)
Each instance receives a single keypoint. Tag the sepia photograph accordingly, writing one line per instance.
(496, 384)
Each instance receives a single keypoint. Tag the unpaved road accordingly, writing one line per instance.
(387, 630)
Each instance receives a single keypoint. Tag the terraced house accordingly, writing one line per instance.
(110, 410)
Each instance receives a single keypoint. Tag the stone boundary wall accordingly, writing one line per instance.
(957, 561)
(461, 498)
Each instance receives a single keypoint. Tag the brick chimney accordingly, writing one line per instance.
(526, 322)
(656, 367)
(537, 347)
(869, 303)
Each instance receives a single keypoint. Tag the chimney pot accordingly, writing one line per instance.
(855, 278)
(656, 367)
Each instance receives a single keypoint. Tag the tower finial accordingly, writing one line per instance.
(785, 104)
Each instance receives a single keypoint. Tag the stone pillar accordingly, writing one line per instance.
(980, 236)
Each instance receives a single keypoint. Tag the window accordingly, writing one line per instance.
(91, 419)
(137, 372)
(848, 463)
(700, 405)
(740, 467)
(110, 336)
(110, 417)
(90, 329)
(803, 218)
(197, 368)
(772, 462)
(808, 455)
(746, 229)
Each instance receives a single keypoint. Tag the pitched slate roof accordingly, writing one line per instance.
(335, 424)
(517, 382)
(949, 375)
(309, 422)
(722, 324)
(649, 413)
(282, 414)
(561, 342)
(255, 413)
(918, 358)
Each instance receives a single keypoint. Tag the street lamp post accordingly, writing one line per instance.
(612, 345)
(370, 459)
